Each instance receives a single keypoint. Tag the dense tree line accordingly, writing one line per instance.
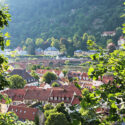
(52, 18)
(68, 45)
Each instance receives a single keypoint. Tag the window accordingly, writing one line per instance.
(20, 110)
(16, 110)
(33, 113)
(55, 98)
(59, 98)
(51, 98)
(24, 111)
(67, 99)
(62, 98)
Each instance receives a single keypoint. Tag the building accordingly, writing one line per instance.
(26, 76)
(23, 112)
(78, 53)
(108, 33)
(20, 51)
(51, 51)
(121, 42)
(37, 95)
(16, 95)
(39, 51)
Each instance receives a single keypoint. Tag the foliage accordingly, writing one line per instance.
(7, 118)
(48, 112)
(62, 109)
(11, 119)
(111, 95)
(48, 77)
(59, 108)
(56, 119)
(47, 19)
(4, 18)
(35, 75)
(55, 84)
(16, 82)
(65, 72)
(34, 67)
(48, 107)
(67, 62)
(36, 120)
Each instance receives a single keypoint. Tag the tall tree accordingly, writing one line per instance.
(48, 77)
(16, 82)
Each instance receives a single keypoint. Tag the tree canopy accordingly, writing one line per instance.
(48, 77)
(16, 82)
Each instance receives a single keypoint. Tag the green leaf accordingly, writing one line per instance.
(7, 42)
(7, 35)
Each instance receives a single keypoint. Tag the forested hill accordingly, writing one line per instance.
(62, 18)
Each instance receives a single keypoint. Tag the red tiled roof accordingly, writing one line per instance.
(62, 93)
(38, 94)
(106, 79)
(73, 88)
(24, 112)
(16, 94)
(22, 105)
(75, 101)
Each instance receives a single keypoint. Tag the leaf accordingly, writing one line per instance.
(7, 42)
(114, 106)
(7, 35)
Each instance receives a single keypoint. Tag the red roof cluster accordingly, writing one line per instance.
(38, 94)
(16, 94)
(24, 112)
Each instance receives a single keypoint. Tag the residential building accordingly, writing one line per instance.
(24, 113)
(78, 53)
(121, 42)
(108, 33)
(26, 76)
(39, 51)
(51, 51)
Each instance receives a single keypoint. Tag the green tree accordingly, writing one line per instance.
(67, 62)
(31, 49)
(6, 118)
(111, 95)
(65, 72)
(62, 109)
(55, 84)
(109, 41)
(56, 119)
(36, 120)
(39, 42)
(29, 41)
(35, 75)
(48, 77)
(48, 107)
(55, 43)
(16, 82)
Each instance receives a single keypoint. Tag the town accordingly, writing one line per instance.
(49, 81)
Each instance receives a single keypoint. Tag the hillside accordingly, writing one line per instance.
(62, 18)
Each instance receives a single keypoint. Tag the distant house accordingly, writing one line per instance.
(39, 51)
(20, 51)
(37, 95)
(121, 42)
(78, 52)
(26, 76)
(23, 112)
(5, 52)
(108, 33)
(51, 51)
(16, 95)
